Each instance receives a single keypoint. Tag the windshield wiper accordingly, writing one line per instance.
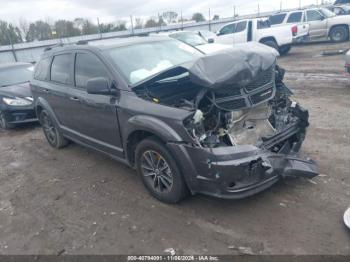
(173, 78)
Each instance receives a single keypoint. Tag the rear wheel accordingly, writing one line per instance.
(284, 49)
(52, 134)
(159, 171)
(339, 34)
(4, 124)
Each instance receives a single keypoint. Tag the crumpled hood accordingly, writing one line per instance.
(19, 90)
(238, 65)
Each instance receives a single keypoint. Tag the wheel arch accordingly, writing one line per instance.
(339, 25)
(268, 38)
(40, 105)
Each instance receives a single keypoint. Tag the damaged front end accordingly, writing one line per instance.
(246, 130)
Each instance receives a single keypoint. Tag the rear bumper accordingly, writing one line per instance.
(19, 115)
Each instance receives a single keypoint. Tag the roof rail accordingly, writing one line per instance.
(82, 42)
(53, 46)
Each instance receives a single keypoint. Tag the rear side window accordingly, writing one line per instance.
(241, 26)
(88, 66)
(277, 19)
(295, 17)
(60, 69)
(42, 69)
(313, 15)
(229, 29)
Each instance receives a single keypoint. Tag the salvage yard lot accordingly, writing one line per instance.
(76, 201)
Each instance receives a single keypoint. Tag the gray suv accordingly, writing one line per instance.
(219, 124)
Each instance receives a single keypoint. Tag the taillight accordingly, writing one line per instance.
(295, 30)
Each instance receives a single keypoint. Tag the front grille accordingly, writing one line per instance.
(234, 104)
(262, 79)
(262, 96)
(228, 92)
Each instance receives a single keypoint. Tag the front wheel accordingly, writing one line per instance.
(339, 34)
(4, 124)
(159, 171)
(52, 134)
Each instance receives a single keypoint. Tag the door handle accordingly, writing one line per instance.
(74, 98)
(45, 90)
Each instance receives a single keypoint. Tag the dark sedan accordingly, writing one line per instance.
(16, 102)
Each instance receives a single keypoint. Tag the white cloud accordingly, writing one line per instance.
(110, 10)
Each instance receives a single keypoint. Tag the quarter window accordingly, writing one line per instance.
(277, 19)
(60, 69)
(295, 17)
(42, 69)
(313, 15)
(88, 66)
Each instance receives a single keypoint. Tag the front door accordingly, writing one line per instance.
(225, 35)
(318, 24)
(93, 118)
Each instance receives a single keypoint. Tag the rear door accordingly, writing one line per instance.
(317, 23)
(93, 118)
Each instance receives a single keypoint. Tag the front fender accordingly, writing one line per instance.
(41, 102)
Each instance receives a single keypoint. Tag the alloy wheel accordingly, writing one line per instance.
(49, 129)
(157, 171)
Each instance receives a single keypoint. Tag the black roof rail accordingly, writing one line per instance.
(82, 42)
(53, 46)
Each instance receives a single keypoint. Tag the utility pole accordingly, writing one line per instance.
(299, 4)
(258, 9)
(99, 27)
(281, 6)
(160, 22)
(209, 21)
(234, 12)
(13, 48)
(182, 22)
(132, 25)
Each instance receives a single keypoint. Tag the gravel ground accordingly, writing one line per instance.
(76, 201)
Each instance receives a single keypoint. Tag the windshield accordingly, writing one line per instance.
(327, 13)
(141, 61)
(190, 38)
(16, 75)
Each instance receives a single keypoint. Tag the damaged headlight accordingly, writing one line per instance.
(17, 101)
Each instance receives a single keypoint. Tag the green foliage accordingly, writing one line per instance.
(198, 17)
(9, 34)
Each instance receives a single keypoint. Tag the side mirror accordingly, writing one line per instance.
(322, 18)
(211, 40)
(217, 33)
(98, 86)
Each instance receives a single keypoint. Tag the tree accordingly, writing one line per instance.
(89, 28)
(66, 28)
(39, 30)
(169, 16)
(120, 26)
(24, 27)
(151, 23)
(9, 34)
(198, 17)
(138, 23)
(216, 17)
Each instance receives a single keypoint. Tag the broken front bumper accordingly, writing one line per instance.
(241, 171)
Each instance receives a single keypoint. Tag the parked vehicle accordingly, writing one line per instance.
(347, 61)
(323, 23)
(220, 124)
(16, 102)
(259, 30)
(339, 10)
(341, 2)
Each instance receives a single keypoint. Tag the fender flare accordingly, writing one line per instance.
(41, 102)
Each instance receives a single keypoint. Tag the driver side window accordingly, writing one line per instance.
(228, 29)
(313, 15)
(88, 66)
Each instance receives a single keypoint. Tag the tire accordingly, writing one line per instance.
(159, 171)
(51, 131)
(339, 34)
(284, 50)
(4, 124)
(271, 43)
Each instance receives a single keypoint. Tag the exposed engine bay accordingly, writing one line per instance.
(245, 105)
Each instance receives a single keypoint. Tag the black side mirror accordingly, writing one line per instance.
(211, 40)
(99, 86)
(322, 18)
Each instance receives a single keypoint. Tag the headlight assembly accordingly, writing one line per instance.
(16, 101)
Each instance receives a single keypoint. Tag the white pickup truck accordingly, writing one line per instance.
(259, 30)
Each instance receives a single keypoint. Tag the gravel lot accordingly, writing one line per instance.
(76, 201)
